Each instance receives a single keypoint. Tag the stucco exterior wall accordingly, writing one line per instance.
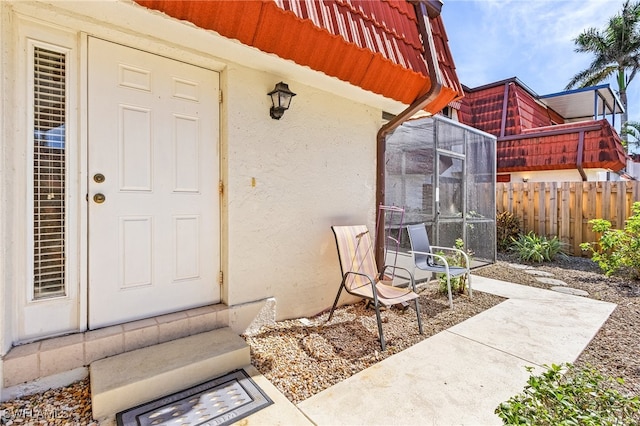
(287, 181)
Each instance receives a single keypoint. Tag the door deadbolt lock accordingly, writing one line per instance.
(99, 198)
(98, 178)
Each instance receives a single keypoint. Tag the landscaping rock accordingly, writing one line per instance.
(538, 273)
(551, 281)
(569, 290)
(518, 266)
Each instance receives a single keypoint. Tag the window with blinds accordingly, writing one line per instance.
(49, 161)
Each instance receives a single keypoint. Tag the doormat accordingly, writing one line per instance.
(221, 401)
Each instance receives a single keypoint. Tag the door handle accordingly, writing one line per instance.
(99, 198)
(98, 178)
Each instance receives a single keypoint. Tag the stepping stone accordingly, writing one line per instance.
(538, 273)
(551, 281)
(569, 290)
(518, 266)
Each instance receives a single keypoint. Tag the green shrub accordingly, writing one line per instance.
(617, 251)
(507, 229)
(458, 284)
(535, 248)
(566, 395)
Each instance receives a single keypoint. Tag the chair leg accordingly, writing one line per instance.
(383, 344)
(336, 302)
(449, 290)
(418, 314)
(469, 284)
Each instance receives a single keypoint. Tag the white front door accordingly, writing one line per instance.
(153, 171)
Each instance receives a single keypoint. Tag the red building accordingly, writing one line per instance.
(566, 136)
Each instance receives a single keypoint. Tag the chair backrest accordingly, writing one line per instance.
(356, 254)
(420, 243)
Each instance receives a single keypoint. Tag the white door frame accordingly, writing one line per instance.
(75, 30)
(178, 135)
(45, 317)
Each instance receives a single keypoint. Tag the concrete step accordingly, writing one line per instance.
(132, 378)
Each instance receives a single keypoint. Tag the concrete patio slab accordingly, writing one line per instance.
(444, 380)
(514, 291)
(459, 376)
(540, 333)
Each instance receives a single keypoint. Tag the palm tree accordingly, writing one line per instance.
(617, 52)
(631, 128)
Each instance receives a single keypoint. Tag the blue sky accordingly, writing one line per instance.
(492, 40)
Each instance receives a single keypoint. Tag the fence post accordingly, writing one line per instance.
(565, 213)
(578, 216)
(553, 209)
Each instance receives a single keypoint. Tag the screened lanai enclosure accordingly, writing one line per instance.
(443, 173)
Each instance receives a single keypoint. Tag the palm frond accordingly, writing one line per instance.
(616, 49)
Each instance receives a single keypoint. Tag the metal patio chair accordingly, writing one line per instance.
(360, 275)
(426, 260)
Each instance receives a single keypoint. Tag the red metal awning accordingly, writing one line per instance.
(374, 45)
(586, 144)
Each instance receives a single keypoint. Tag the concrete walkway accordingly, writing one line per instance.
(460, 375)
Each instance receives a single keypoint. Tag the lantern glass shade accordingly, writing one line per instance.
(280, 100)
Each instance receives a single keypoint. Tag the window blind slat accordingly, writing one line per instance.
(49, 156)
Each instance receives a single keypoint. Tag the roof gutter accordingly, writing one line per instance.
(424, 10)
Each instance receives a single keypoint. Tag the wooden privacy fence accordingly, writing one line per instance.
(564, 209)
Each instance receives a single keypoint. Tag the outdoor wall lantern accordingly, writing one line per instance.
(280, 100)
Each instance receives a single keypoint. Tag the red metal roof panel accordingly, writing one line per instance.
(445, 60)
(375, 45)
(379, 26)
(531, 113)
(484, 110)
(549, 148)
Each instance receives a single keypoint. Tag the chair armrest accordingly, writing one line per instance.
(411, 279)
(451, 249)
(371, 280)
(395, 267)
(372, 283)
